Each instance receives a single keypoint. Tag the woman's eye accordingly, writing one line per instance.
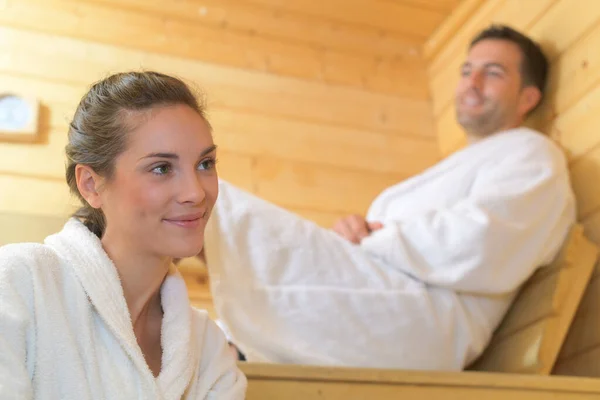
(207, 164)
(161, 169)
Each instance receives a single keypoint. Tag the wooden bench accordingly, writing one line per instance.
(526, 343)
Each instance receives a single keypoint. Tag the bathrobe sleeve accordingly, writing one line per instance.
(222, 379)
(15, 326)
(514, 219)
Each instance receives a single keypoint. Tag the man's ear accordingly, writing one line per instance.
(89, 184)
(529, 99)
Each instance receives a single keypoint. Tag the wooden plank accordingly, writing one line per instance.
(451, 25)
(518, 14)
(249, 20)
(20, 228)
(535, 302)
(451, 136)
(261, 135)
(585, 170)
(458, 42)
(329, 189)
(42, 197)
(564, 23)
(577, 71)
(185, 39)
(382, 15)
(442, 6)
(251, 135)
(585, 365)
(592, 229)
(267, 381)
(82, 63)
(576, 129)
(584, 333)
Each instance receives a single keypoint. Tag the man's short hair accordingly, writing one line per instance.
(534, 66)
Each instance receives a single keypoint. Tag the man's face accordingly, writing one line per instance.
(489, 96)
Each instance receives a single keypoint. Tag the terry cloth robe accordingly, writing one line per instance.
(425, 292)
(66, 332)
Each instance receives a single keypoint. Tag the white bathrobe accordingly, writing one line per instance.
(424, 292)
(66, 332)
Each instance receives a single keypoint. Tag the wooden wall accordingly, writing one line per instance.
(314, 114)
(569, 30)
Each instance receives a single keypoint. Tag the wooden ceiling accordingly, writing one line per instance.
(416, 19)
(381, 28)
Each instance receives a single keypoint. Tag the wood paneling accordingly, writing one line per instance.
(182, 37)
(569, 31)
(302, 143)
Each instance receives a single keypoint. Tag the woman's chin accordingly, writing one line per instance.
(185, 252)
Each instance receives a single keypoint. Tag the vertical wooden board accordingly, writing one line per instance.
(584, 171)
(318, 187)
(584, 333)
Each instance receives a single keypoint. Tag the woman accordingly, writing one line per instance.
(99, 311)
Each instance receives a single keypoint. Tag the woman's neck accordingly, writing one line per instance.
(141, 276)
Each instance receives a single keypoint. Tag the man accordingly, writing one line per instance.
(426, 277)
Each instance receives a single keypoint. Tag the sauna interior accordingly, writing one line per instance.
(317, 106)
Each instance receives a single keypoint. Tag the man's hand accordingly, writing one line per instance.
(355, 228)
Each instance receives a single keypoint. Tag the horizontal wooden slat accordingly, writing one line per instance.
(19, 228)
(251, 135)
(28, 195)
(320, 188)
(153, 33)
(383, 15)
(269, 381)
(82, 63)
(249, 19)
(437, 5)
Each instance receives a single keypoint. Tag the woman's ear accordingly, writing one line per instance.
(89, 185)
(530, 97)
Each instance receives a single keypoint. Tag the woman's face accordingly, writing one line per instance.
(164, 185)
